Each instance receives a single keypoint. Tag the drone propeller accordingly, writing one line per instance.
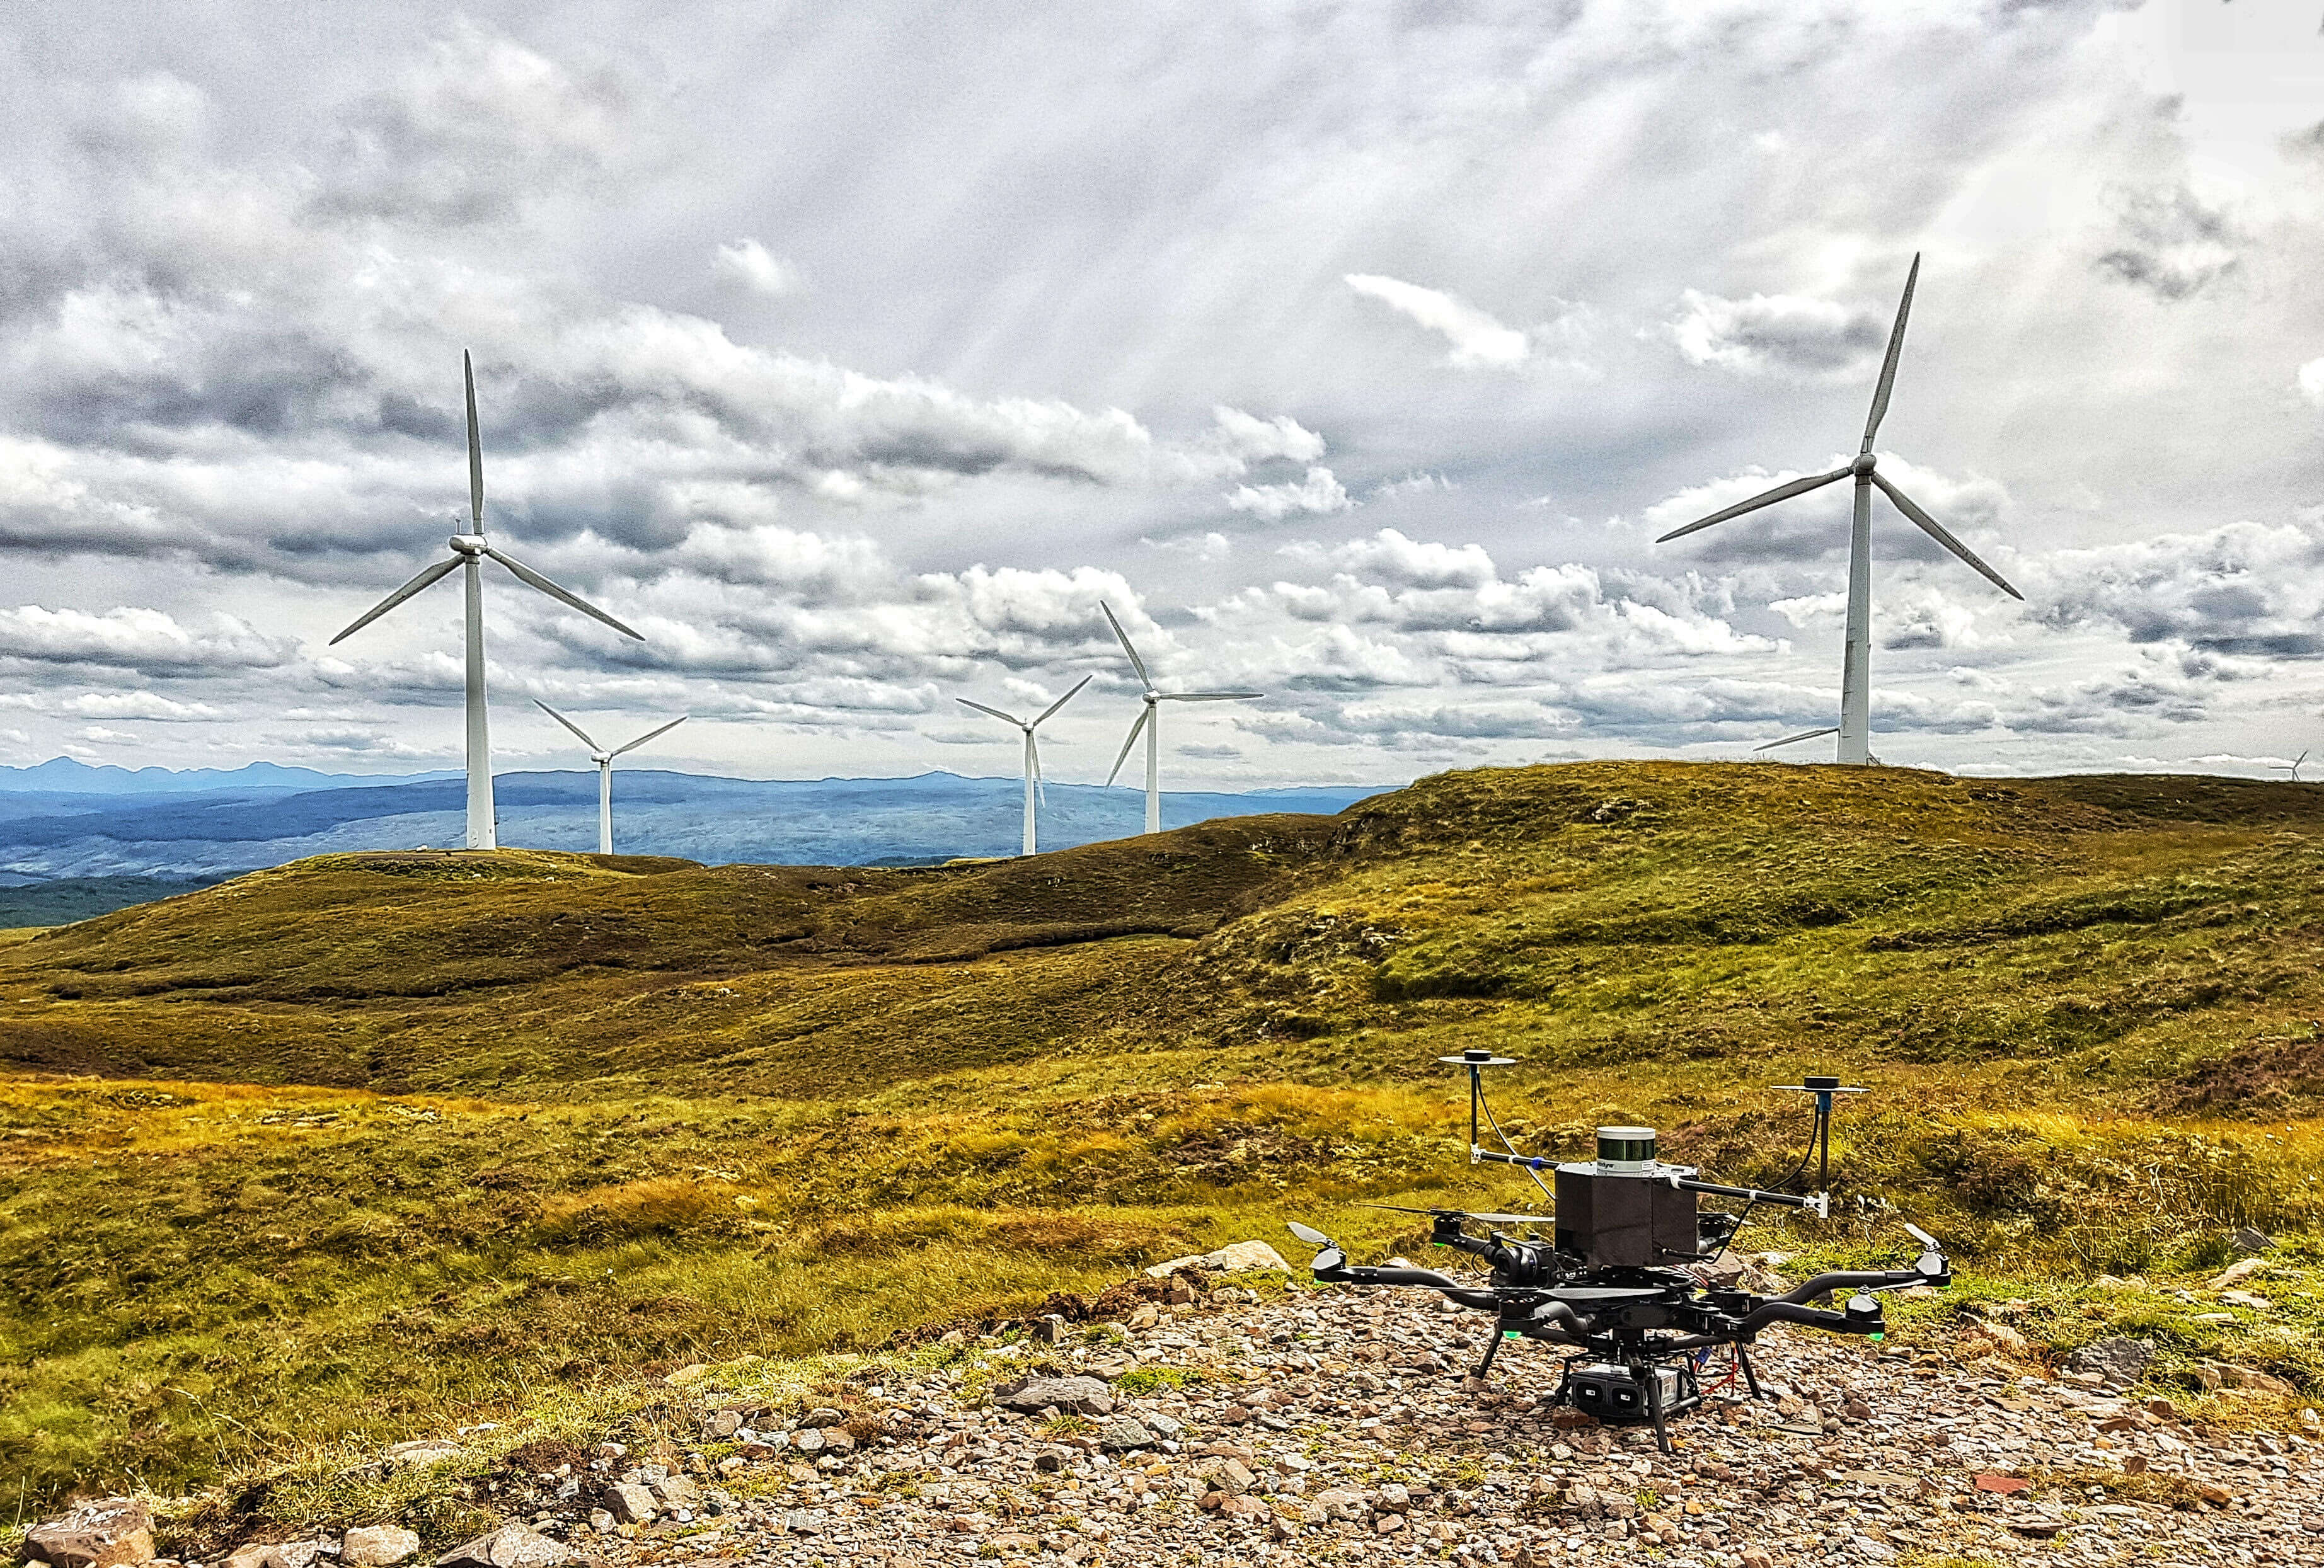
(1466, 1215)
(1332, 1257)
(1933, 1261)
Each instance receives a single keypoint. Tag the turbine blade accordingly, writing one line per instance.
(568, 724)
(996, 712)
(1209, 696)
(1122, 637)
(1802, 735)
(649, 735)
(1135, 731)
(1930, 526)
(1040, 783)
(476, 451)
(1764, 499)
(1061, 701)
(532, 579)
(430, 575)
(1895, 347)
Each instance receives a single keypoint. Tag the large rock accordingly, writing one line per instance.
(109, 1533)
(1083, 1396)
(1236, 1259)
(1121, 1433)
(2116, 1359)
(632, 1504)
(275, 1554)
(510, 1546)
(377, 1545)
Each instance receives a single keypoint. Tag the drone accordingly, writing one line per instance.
(1626, 1279)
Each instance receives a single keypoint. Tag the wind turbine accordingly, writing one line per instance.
(1032, 751)
(1855, 728)
(470, 550)
(604, 761)
(2292, 767)
(1150, 722)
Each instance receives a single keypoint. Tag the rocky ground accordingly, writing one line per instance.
(1335, 1425)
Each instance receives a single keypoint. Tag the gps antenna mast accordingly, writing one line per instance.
(1823, 1089)
(1476, 1061)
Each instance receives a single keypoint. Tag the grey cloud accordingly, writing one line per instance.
(2173, 244)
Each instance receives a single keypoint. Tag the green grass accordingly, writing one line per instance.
(374, 1145)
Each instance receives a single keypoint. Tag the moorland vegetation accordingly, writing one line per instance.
(370, 1144)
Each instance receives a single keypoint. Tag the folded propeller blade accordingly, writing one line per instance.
(1310, 1234)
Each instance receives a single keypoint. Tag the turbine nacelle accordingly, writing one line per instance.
(1864, 464)
(472, 546)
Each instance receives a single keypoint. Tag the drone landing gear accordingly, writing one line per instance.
(1492, 1348)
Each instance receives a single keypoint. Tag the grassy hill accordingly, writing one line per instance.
(354, 1146)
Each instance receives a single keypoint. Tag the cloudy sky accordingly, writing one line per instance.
(1354, 353)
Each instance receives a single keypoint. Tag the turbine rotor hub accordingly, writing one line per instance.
(472, 546)
(1864, 464)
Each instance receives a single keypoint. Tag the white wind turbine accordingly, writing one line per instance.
(1032, 751)
(1151, 720)
(2292, 768)
(604, 761)
(1855, 727)
(470, 550)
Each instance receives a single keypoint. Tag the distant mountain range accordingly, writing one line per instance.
(63, 775)
(76, 841)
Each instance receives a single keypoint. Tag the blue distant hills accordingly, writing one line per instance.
(76, 840)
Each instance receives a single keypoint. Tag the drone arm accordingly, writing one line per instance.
(1780, 1311)
(1332, 1268)
(1859, 1280)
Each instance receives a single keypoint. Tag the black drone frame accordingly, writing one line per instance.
(1622, 1283)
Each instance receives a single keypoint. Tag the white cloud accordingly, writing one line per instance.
(135, 638)
(1476, 338)
(1782, 333)
(1319, 492)
(748, 262)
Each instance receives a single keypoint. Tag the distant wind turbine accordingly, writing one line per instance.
(470, 550)
(604, 761)
(1855, 727)
(1150, 722)
(1032, 751)
(2292, 768)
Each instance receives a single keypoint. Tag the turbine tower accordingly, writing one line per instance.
(604, 761)
(469, 551)
(1151, 720)
(1032, 751)
(1855, 729)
